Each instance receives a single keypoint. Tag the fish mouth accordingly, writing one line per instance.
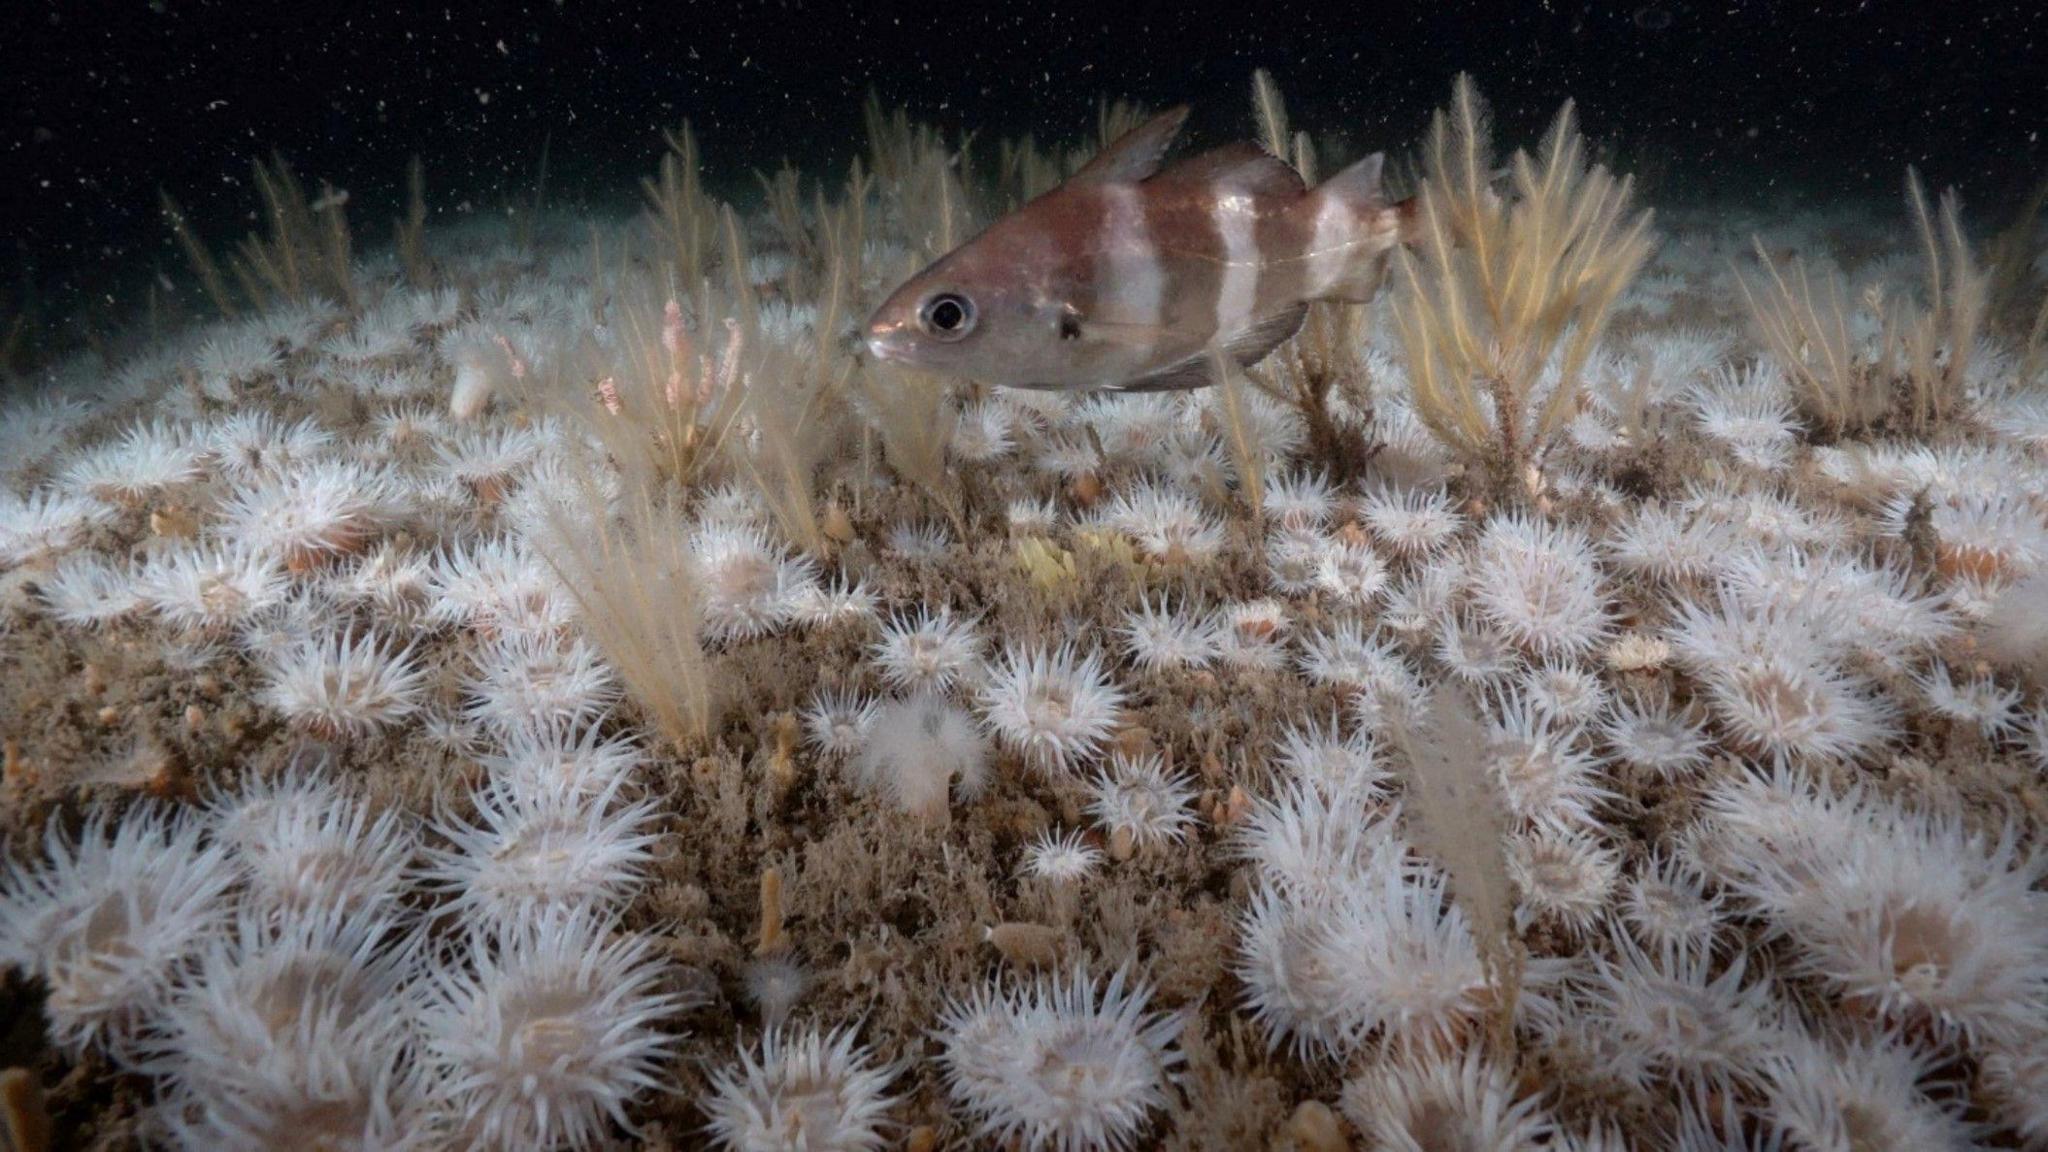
(887, 340)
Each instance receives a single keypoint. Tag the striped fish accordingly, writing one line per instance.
(1129, 275)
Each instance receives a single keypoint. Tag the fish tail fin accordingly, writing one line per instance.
(1352, 225)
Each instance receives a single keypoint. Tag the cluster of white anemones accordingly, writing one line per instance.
(1791, 951)
(294, 966)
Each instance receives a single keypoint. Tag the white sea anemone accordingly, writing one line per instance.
(1456, 1101)
(294, 1032)
(338, 685)
(822, 1093)
(86, 591)
(1160, 638)
(253, 443)
(108, 921)
(1538, 584)
(1138, 800)
(1651, 735)
(836, 724)
(306, 843)
(1062, 858)
(1053, 706)
(146, 460)
(44, 523)
(1056, 1065)
(1411, 522)
(1166, 524)
(1861, 1092)
(929, 652)
(531, 849)
(310, 513)
(751, 585)
(498, 585)
(1669, 1017)
(210, 589)
(524, 680)
(546, 1036)
(1564, 877)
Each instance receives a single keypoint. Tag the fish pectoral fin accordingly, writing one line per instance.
(1194, 372)
(1246, 348)
(1268, 332)
(1136, 154)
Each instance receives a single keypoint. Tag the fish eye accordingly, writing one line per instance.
(946, 316)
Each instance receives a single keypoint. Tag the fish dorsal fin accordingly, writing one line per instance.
(1247, 347)
(1243, 166)
(1136, 154)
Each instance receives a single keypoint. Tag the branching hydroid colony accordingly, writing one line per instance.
(545, 688)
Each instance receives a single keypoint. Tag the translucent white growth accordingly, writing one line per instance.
(1539, 585)
(293, 1033)
(932, 652)
(774, 985)
(109, 921)
(530, 851)
(306, 844)
(1136, 797)
(920, 751)
(1054, 1064)
(543, 1040)
(337, 686)
(1053, 706)
(488, 463)
(1450, 1101)
(820, 1093)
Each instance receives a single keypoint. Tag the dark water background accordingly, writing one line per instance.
(107, 101)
